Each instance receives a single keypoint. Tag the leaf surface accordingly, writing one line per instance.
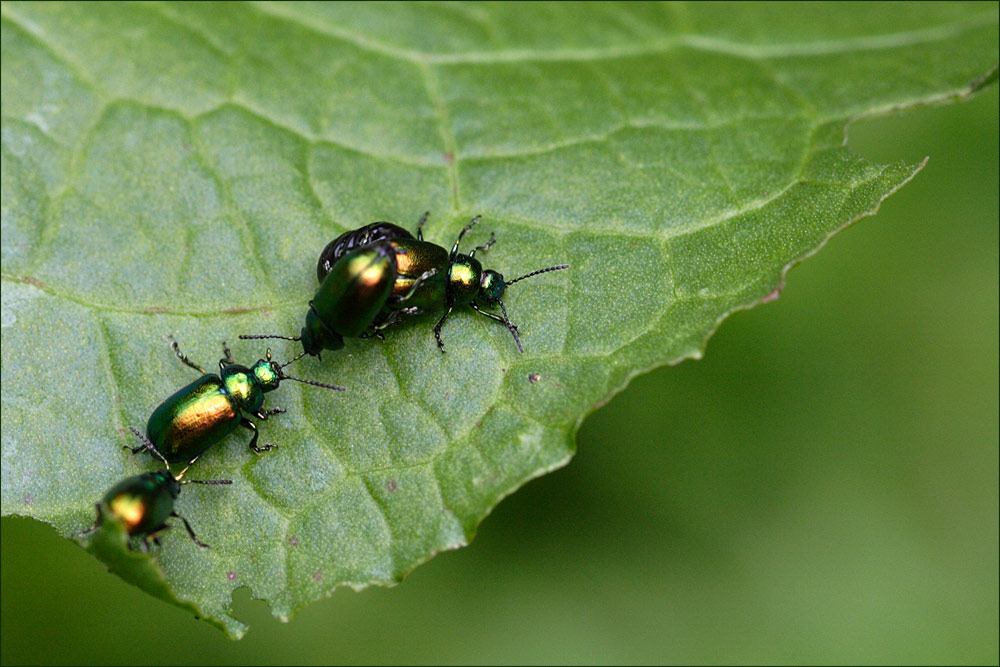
(175, 169)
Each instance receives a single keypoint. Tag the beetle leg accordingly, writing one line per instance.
(246, 423)
(486, 246)
(437, 328)
(420, 225)
(85, 531)
(454, 248)
(194, 537)
(264, 414)
(153, 535)
(492, 316)
(385, 321)
(393, 318)
(424, 277)
(227, 360)
(157, 532)
(97, 523)
(376, 329)
(502, 320)
(184, 359)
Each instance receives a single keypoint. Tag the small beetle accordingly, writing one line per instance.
(378, 275)
(143, 503)
(210, 408)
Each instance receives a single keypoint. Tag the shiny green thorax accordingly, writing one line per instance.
(465, 275)
(247, 386)
(201, 414)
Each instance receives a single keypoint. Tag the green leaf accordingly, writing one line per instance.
(176, 169)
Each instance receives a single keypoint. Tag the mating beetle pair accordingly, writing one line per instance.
(376, 276)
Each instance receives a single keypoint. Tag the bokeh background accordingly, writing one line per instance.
(821, 487)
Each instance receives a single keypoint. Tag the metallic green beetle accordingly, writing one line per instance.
(210, 408)
(378, 275)
(144, 503)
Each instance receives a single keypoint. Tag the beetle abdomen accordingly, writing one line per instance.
(357, 238)
(193, 419)
(356, 289)
(413, 259)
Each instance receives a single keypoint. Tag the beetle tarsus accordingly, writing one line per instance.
(190, 531)
(437, 329)
(182, 357)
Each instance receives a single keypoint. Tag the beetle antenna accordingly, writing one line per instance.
(533, 273)
(282, 376)
(149, 446)
(314, 383)
(207, 481)
(259, 336)
(296, 358)
(511, 326)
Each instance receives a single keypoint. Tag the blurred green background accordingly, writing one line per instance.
(822, 487)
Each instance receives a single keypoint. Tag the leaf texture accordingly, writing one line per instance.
(175, 169)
